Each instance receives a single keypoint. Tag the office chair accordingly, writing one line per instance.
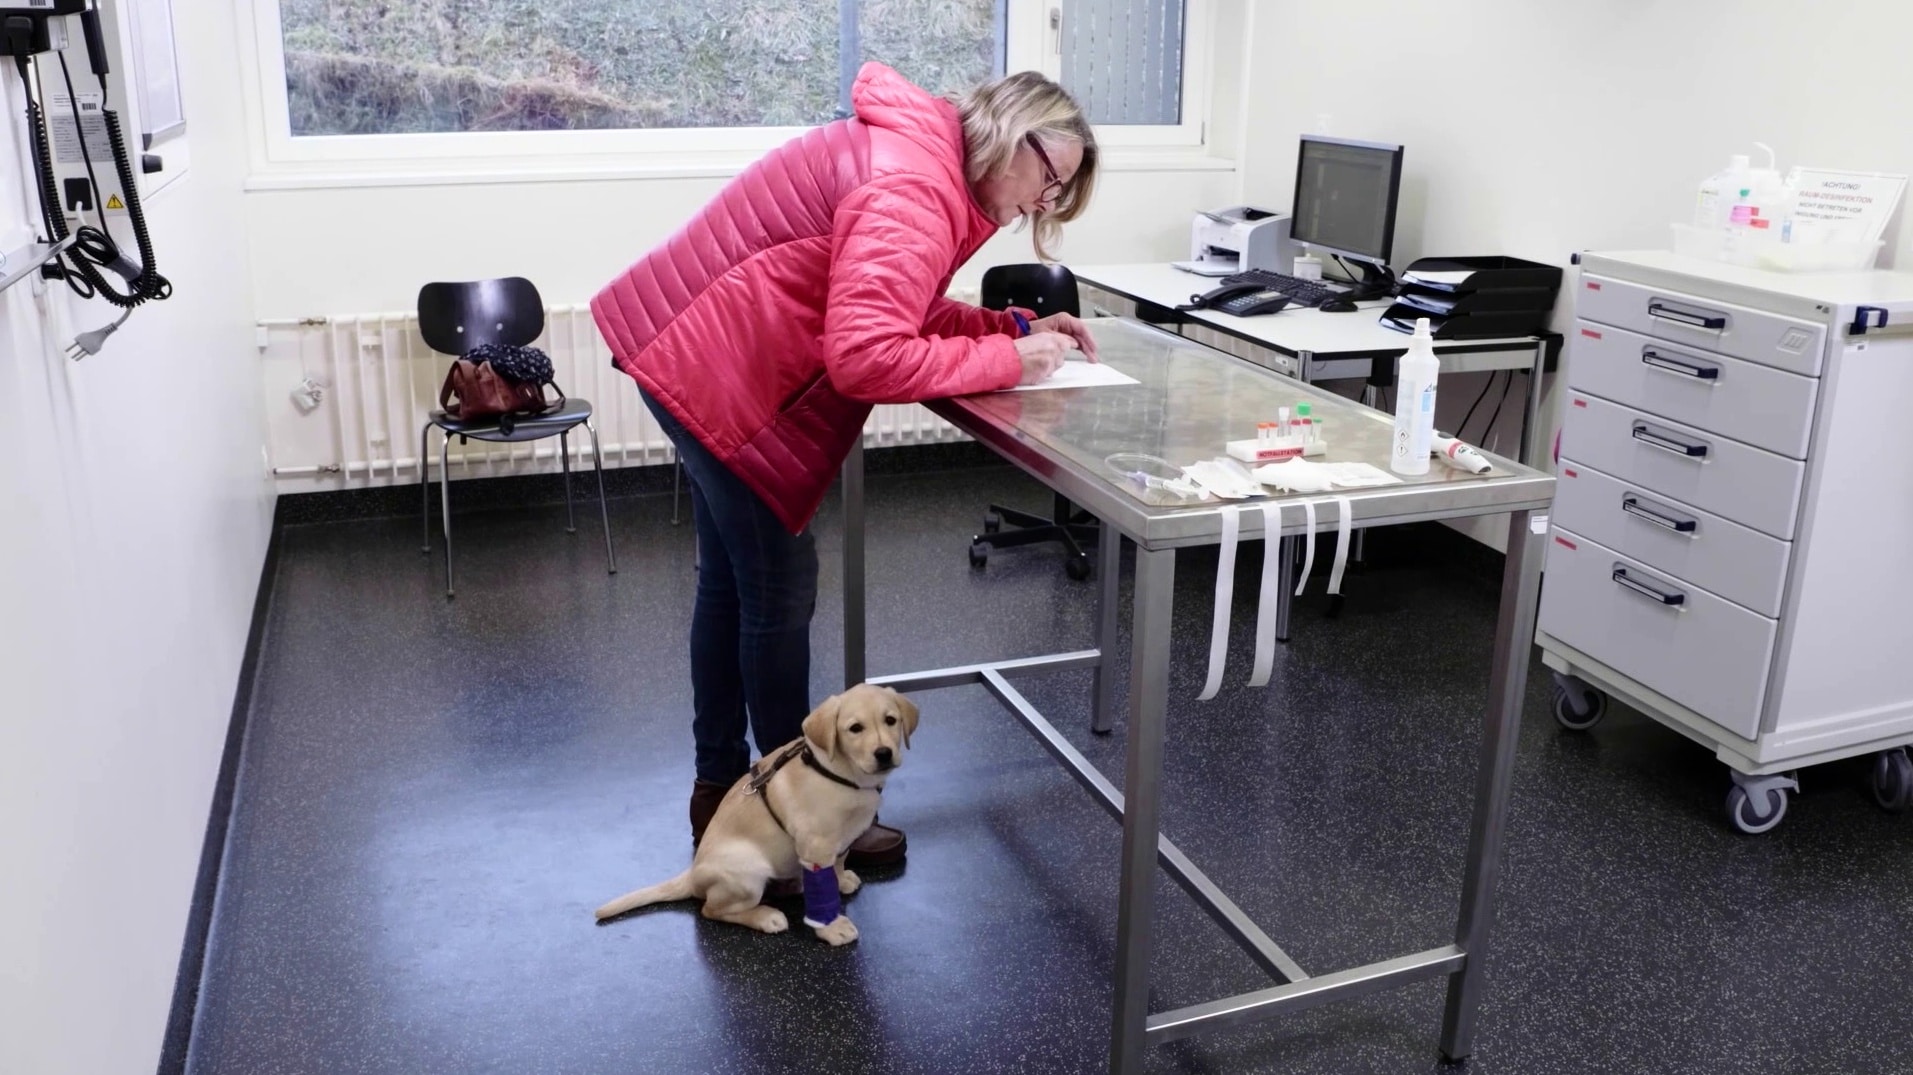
(454, 318)
(1046, 289)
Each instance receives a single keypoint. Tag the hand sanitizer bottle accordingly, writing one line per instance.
(1415, 403)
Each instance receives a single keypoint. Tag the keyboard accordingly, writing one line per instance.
(1304, 292)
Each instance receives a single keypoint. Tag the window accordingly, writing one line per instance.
(376, 67)
(560, 80)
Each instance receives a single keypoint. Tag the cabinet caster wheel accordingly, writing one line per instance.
(1579, 719)
(979, 554)
(992, 522)
(1076, 567)
(1893, 780)
(1752, 818)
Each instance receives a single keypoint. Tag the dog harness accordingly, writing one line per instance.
(823, 904)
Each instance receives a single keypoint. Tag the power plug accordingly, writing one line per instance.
(308, 394)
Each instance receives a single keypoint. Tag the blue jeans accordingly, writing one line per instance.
(750, 627)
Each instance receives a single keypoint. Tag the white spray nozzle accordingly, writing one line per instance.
(1421, 328)
(1770, 153)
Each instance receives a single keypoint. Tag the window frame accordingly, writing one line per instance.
(282, 160)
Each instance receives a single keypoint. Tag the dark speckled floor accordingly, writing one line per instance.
(434, 795)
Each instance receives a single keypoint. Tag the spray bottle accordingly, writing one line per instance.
(1415, 403)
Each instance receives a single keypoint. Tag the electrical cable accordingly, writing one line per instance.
(1461, 431)
(91, 246)
(1496, 416)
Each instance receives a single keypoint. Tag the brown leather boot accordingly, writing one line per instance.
(880, 845)
(705, 797)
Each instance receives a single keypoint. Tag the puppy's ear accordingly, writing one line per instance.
(821, 726)
(908, 710)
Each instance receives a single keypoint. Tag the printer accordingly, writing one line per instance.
(1238, 238)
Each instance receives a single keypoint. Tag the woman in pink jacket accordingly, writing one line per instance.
(811, 288)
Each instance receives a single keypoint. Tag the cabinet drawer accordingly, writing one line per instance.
(1748, 485)
(1742, 565)
(1755, 335)
(1760, 405)
(1704, 652)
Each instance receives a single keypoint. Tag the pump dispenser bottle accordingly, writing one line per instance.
(1415, 403)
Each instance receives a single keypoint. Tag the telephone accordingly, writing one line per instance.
(1239, 300)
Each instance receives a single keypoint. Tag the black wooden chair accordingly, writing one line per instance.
(454, 318)
(1046, 289)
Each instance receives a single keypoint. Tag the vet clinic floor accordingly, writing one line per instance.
(434, 795)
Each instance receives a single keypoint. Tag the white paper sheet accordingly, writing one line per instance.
(1079, 374)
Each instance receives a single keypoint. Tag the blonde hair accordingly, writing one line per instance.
(999, 115)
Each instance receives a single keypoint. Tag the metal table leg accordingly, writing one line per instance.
(854, 565)
(1102, 699)
(1285, 548)
(1142, 804)
(1507, 686)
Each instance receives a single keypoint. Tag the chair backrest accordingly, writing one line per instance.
(456, 317)
(1047, 289)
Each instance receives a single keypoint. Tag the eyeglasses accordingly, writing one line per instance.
(1054, 188)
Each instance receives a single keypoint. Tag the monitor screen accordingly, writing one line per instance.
(1345, 196)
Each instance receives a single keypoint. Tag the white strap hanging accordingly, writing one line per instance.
(1308, 553)
(1265, 613)
(1342, 530)
(1225, 593)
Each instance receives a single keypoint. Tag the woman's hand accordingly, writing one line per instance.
(1042, 353)
(1071, 326)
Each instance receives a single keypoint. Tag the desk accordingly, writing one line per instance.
(1189, 400)
(1314, 346)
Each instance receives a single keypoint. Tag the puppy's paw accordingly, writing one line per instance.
(848, 881)
(840, 932)
(771, 920)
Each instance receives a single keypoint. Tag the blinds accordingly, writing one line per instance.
(1122, 59)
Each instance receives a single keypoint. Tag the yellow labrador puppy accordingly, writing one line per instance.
(794, 815)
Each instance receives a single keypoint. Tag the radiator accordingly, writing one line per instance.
(376, 380)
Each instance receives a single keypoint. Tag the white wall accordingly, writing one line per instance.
(1542, 129)
(134, 525)
(348, 250)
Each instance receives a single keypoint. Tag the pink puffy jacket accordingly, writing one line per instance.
(811, 288)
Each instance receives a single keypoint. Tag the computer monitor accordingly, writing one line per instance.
(1345, 194)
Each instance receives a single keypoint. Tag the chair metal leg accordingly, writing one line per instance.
(564, 451)
(604, 506)
(425, 486)
(445, 505)
(677, 481)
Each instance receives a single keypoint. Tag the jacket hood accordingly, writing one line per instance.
(883, 98)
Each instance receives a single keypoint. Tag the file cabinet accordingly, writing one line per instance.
(1731, 547)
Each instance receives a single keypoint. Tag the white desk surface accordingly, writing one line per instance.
(1295, 331)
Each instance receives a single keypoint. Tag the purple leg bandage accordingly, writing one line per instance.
(822, 903)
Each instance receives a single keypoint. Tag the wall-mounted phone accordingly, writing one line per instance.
(82, 172)
(1239, 300)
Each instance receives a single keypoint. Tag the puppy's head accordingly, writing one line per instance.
(865, 728)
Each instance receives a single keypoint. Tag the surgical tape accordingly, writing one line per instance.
(1270, 596)
(823, 904)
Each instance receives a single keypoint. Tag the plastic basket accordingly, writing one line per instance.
(1759, 250)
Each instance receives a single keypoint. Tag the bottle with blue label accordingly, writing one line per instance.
(1415, 403)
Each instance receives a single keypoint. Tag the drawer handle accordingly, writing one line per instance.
(1669, 444)
(1667, 598)
(1684, 367)
(1633, 506)
(1668, 313)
